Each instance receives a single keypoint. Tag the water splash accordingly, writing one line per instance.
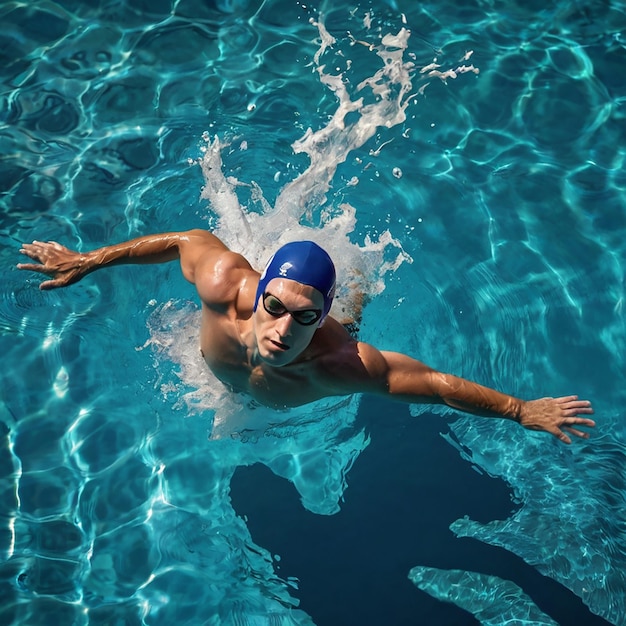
(257, 233)
(187, 514)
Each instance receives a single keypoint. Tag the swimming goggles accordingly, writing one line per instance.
(305, 317)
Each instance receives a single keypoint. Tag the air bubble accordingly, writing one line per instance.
(61, 383)
(397, 172)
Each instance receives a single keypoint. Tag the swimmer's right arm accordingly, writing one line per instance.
(66, 266)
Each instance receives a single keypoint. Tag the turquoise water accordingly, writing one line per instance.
(485, 214)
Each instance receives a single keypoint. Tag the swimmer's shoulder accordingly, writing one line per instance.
(346, 364)
(204, 256)
(225, 277)
(334, 331)
(332, 342)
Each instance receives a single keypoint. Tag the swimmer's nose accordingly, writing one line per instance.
(283, 325)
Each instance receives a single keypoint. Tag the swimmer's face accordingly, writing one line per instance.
(286, 318)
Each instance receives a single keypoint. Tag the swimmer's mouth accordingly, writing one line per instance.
(279, 345)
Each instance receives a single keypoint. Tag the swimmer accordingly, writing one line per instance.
(269, 335)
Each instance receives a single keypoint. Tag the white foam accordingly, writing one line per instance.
(361, 268)
(301, 210)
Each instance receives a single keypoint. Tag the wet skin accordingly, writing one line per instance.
(282, 363)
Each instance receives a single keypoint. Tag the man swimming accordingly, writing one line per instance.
(270, 334)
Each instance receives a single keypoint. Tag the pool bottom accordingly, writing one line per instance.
(353, 567)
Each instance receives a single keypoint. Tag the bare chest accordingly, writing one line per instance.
(233, 362)
(284, 387)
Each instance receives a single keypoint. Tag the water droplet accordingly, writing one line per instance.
(61, 383)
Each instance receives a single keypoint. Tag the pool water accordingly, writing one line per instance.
(483, 213)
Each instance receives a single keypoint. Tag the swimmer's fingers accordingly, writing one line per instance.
(54, 284)
(59, 281)
(34, 267)
(39, 250)
(63, 264)
(566, 425)
(46, 250)
(560, 435)
(554, 414)
(31, 250)
(577, 433)
(571, 406)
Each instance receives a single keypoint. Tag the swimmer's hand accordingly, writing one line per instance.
(554, 415)
(64, 265)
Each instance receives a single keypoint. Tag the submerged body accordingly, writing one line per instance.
(270, 337)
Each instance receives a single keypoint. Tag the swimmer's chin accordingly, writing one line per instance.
(276, 358)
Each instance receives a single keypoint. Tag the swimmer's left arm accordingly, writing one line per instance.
(408, 380)
(412, 381)
(66, 266)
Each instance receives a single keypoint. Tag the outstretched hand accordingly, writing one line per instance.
(554, 415)
(64, 265)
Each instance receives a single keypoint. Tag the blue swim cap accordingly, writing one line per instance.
(306, 263)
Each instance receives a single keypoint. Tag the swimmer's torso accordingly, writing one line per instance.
(228, 347)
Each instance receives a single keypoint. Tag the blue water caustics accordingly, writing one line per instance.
(492, 600)
(484, 213)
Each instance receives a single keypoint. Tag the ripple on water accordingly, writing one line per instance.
(32, 151)
(12, 173)
(42, 611)
(37, 25)
(49, 538)
(117, 496)
(191, 475)
(126, 612)
(157, 71)
(35, 193)
(46, 111)
(182, 103)
(13, 56)
(49, 576)
(48, 493)
(550, 100)
(610, 66)
(122, 99)
(38, 442)
(173, 594)
(122, 561)
(18, 306)
(90, 54)
(112, 164)
(483, 146)
(99, 439)
(160, 48)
